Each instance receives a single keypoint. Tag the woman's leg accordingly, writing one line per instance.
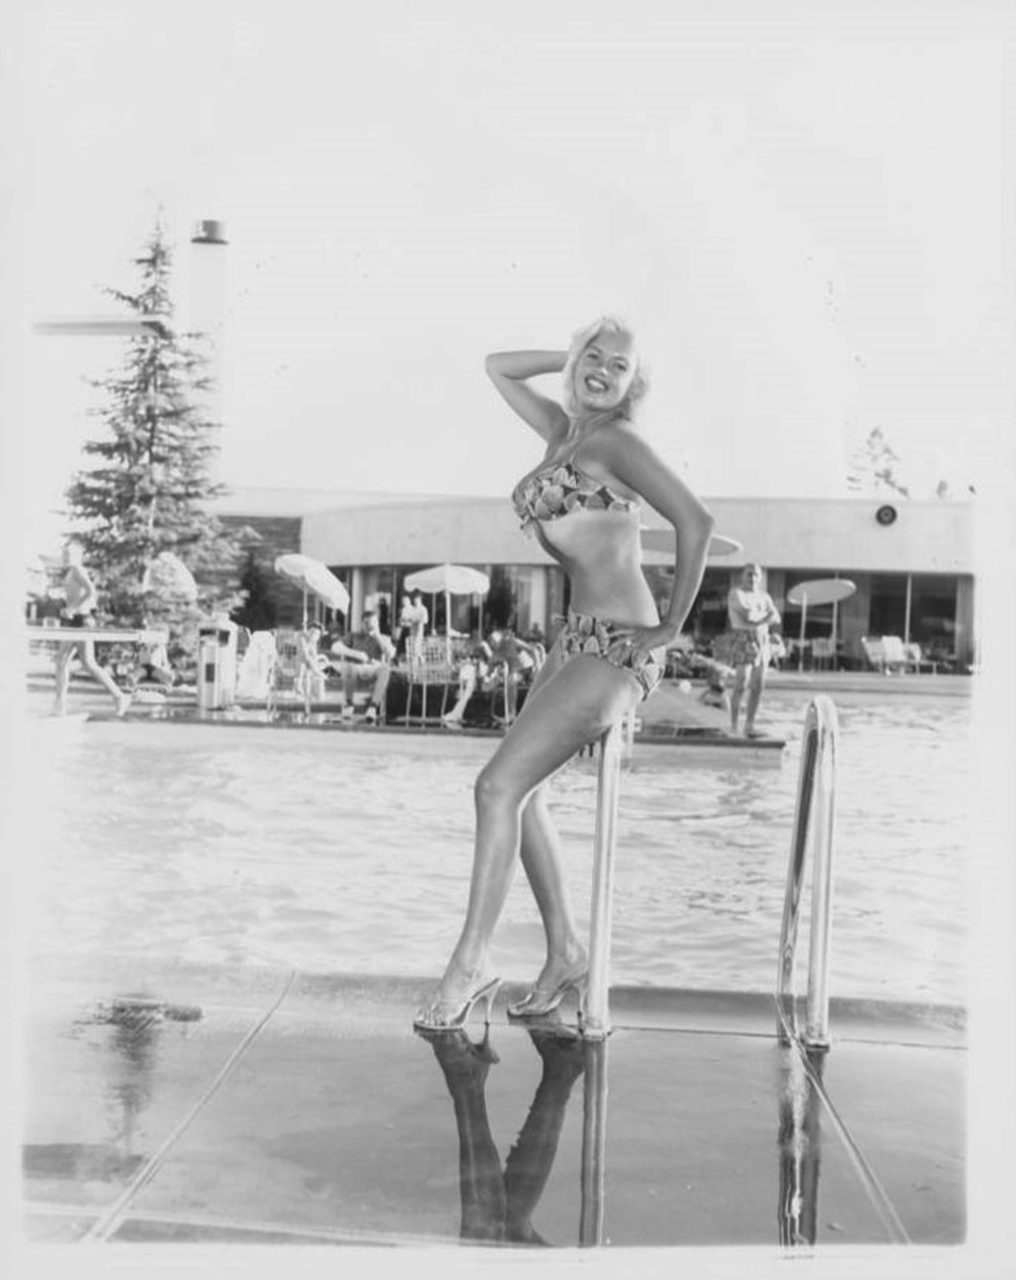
(541, 860)
(62, 673)
(88, 661)
(582, 699)
(736, 694)
(756, 684)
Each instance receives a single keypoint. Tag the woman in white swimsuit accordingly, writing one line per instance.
(582, 503)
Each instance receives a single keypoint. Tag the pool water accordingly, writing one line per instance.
(332, 852)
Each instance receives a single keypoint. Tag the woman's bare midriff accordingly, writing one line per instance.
(601, 552)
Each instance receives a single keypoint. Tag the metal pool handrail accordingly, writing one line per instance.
(596, 1016)
(814, 817)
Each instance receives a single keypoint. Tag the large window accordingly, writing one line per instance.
(933, 613)
(708, 616)
(888, 614)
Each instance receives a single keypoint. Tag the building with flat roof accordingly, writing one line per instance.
(912, 561)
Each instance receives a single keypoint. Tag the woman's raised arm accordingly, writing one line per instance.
(509, 370)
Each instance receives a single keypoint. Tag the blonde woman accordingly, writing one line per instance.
(582, 502)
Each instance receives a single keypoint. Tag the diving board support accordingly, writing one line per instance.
(596, 1015)
(814, 826)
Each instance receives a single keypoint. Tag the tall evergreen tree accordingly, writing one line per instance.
(150, 487)
(874, 466)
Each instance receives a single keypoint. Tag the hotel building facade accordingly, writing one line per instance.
(912, 562)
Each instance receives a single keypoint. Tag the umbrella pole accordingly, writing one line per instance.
(305, 608)
(448, 625)
(800, 651)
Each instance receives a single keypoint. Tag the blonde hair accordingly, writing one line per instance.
(582, 339)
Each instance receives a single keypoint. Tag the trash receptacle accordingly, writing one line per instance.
(216, 664)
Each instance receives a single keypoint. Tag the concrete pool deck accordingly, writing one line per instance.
(184, 1104)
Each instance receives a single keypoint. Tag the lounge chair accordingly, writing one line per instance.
(874, 653)
(254, 675)
(917, 660)
(823, 652)
(296, 669)
(893, 654)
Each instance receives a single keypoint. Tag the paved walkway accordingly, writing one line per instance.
(189, 1105)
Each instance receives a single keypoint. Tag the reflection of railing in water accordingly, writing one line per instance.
(800, 1148)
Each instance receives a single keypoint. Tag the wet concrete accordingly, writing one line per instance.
(307, 1110)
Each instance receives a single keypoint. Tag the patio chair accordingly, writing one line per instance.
(294, 670)
(874, 653)
(823, 652)
(917, 660)
(254, 675)
(430, 667)
(893, 654)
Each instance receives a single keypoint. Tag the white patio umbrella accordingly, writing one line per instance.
(818, 591)
(169, 576)
(452, 580)
(313, 578)
(663, 540)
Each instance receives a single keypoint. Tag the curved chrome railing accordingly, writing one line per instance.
(814, 821)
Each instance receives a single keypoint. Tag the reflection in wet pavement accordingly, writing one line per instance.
(338, 1124)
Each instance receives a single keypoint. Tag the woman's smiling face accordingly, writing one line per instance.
(604, 371)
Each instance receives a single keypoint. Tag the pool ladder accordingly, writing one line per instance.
(813, 817)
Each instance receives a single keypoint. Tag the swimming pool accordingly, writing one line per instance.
(332, 852)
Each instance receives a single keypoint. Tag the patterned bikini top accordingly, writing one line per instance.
(561, 489)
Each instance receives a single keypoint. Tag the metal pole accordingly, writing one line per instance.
(813, 827)
(906, 616)
(816, 1031)
(596, 1021)
(804, 614)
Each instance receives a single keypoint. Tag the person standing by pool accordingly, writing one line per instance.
(414, 617)
(582, 502)
(80, 600)
(745, 645)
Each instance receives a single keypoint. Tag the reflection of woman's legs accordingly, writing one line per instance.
(481, 1183)
(530, 1160)
(581, 700)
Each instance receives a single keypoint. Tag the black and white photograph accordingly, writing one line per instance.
(507, 636)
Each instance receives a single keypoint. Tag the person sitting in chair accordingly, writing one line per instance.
(473, 666)
(366, 656)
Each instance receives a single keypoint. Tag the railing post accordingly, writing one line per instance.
(816, 1027)
(596, 1019)
(813, 826)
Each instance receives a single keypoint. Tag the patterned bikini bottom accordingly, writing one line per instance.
(584, 634)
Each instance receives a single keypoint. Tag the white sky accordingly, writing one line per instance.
(804, 209)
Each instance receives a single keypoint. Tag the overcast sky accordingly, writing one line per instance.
(805, 210)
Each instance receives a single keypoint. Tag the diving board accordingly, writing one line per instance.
(103, 635)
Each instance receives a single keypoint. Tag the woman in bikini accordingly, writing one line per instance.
(582, 502)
